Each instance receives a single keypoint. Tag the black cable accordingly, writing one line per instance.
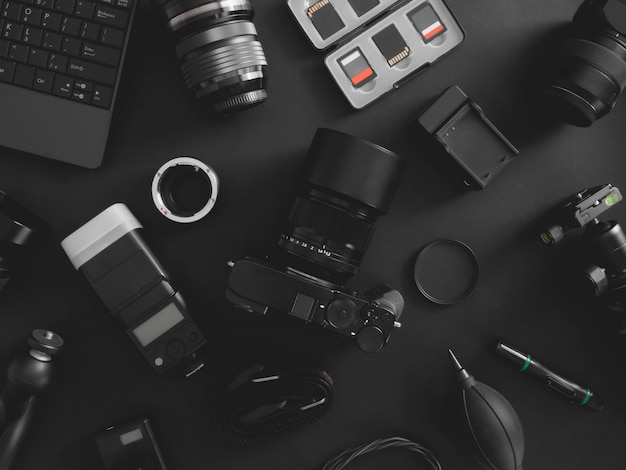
(342, 460)
(265, 402)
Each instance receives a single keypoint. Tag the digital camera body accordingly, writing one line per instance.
(348, 183)
(257, 286)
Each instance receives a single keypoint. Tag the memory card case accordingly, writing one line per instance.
(377, 45)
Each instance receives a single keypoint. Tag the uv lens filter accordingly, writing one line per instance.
(446, 271)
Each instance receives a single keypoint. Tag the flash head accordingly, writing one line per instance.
(185, 189)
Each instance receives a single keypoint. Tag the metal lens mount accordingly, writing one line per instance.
(185, 189)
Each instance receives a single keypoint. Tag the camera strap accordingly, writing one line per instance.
(262, 403)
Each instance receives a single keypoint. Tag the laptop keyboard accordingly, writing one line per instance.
(67, 48)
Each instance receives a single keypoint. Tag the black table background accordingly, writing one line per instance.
(408, 389)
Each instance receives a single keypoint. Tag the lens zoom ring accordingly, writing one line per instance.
(213, 70)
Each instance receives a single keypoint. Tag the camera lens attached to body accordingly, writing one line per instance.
(590, 69)
(185, 189)
(349, 183)
(221, 57)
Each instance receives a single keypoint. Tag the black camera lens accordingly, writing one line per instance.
(19, 227)
(221, 57)
(349, 183)
(589, 70)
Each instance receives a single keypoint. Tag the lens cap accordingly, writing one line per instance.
(184, 189)
(446, 271)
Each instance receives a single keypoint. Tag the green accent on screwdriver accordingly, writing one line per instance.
(526, 364)
(586, 399)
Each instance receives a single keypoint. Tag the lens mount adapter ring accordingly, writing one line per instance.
(160, 191)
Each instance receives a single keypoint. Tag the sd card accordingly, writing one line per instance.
(391, 44)
(325, 18)
(427, 22)
(357, 68)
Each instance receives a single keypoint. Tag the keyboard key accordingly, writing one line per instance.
(38, 57)
(51, 20)
(93, 72)
(52, 41)
(57, 63)
(90, 31)
(31, 15)
(83, 85)
(24, 75)
(11, 11)
(84, 9)
(102, 96)
(32, 36)
(111, 16)
(12, 31)
(70, 26)
(123, 4)
(64, 6)
(43, 81)
(112, 37)
(63, 86)
(46, 4)
(101, 54)
(6, 71)
(18, 52)
(4, 48)
(71, 46)
(81, 96)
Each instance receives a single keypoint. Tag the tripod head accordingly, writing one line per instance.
(29, 373)
(602, 244)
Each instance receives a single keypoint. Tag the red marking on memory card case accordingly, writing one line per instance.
(362, 76)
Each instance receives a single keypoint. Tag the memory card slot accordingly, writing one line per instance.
(325, 22)
(396, 47)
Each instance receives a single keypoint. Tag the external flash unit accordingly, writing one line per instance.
(134, 287)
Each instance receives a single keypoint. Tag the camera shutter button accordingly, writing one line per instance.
(370, 339)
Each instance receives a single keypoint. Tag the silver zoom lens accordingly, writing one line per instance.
(221, 58)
